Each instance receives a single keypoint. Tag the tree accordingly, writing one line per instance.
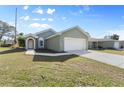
(5, 28)
(115, 37)
(21, 40)
(21, 34)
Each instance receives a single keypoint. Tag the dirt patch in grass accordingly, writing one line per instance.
(46, 51)
(12, 50)
(38, 58)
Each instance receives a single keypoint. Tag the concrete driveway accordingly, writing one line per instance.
(112, 59)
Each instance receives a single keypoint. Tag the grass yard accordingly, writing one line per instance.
(112, 51)
(18, 69)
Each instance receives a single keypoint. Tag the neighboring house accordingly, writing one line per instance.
(70, 39)
(9, 42)
(105, 43)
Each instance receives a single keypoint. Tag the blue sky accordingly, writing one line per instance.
(97, 20)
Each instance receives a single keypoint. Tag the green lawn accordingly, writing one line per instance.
(18, 69)
(112, 51)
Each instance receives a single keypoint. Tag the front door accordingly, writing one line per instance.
(30, 44)
(116, 45)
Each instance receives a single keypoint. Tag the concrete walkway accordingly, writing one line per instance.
(32, 52)
(53, 54)
(112, 59)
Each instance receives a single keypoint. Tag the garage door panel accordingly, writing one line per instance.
(74, 44)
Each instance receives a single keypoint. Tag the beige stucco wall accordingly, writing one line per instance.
(53, 43)
(57, 43)
(103, 44)
(107, 44)
(74, 33)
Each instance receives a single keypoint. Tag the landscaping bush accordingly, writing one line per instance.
(121, 47)
(21, 42)
(100, 47)
(1, 42)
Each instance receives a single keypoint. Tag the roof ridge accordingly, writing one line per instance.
(45, 30)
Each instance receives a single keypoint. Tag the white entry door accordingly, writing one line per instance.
(30, 44)
(74, 44)
(116, 45)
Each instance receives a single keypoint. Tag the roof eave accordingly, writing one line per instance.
(46, 30)
(54, 35)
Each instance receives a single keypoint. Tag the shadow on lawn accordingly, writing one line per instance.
(38, 58)
(13, 51)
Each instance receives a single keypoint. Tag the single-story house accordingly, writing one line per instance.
(105, 43)
(9, 42)
(70, 39)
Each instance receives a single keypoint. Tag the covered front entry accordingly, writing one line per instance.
(30, 43)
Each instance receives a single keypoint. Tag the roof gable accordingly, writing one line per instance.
(44, 31)
(31, 35)
(69, 29)
(40, 32)
(78, 28)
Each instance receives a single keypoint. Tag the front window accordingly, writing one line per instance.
(41, 43)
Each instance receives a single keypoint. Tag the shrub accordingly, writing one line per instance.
(121, 47)
(21, 42)
(100, 47)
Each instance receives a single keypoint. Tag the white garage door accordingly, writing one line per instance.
(116, 45)
(74, 44)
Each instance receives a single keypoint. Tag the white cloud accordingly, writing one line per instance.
(64, 18)
(11, 23)
(122, 17)
(26, 18)
(86, 8)
(43, 19)
(38, 11)
(94, 15)
(81, 9)
(74, 13)
(37, 25)
(26, 7)
(50, 11)
(35, 19)
(50, 19)
(111, 32)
